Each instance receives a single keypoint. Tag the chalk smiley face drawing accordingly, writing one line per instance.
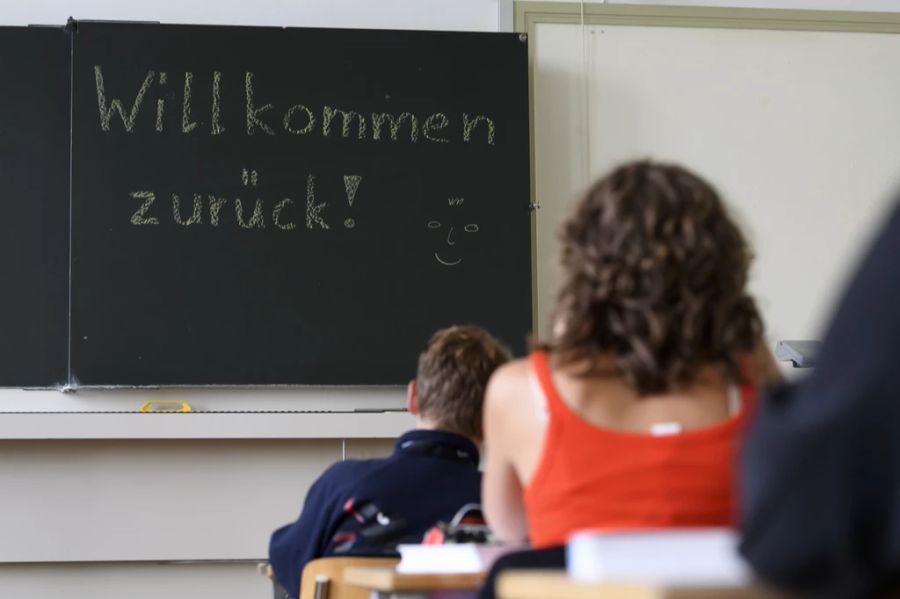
(449, 254)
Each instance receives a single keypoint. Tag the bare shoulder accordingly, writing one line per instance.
(508, 383)
(512, 371)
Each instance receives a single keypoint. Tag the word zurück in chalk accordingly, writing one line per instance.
(296, 119)
(282, 214)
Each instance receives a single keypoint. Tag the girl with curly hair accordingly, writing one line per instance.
(630, 416)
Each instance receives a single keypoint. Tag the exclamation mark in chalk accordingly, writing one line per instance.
(351, 184)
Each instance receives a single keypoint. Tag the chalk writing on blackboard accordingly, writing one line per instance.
(140, 215)
(451, 255)
(217, 128)
(160, 105)
(256, 221)
(469, 124)
(215, 208)
(106, 109)
(276, 215)
(289, 120)
(295, 119)
(351, 186)
(396, 124)
(195, 216)
(249, 177)
(187, 125)
(313, 210)
(279, 215)
(267, 117)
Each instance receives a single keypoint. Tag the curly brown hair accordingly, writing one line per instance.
(452, 376)
(654, 275)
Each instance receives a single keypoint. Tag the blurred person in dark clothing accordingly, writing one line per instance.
(821, 467)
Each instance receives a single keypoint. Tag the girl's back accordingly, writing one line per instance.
(608, 459)
(630, 416)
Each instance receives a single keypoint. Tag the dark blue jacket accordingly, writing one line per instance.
(821, 469)
(430, 475)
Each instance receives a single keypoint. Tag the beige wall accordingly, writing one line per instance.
(799, 130)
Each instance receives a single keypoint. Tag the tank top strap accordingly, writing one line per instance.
(540, 369)
(748, 390)
(749, 399)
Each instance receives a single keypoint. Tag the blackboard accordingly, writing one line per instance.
(273, 206)
(34, 205)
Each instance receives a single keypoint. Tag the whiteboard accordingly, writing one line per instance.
(799, 131)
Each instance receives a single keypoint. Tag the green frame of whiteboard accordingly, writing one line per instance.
(528, 14)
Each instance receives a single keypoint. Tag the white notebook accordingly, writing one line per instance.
(451, 558)
(694, 557)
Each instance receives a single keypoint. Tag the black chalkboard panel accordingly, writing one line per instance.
(34, 205)
(292, 206)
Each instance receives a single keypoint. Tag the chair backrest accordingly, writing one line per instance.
(332, 570)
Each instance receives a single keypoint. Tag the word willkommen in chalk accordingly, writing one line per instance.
(208, 209)
(263, 118)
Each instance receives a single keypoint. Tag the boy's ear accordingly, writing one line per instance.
(412, 399)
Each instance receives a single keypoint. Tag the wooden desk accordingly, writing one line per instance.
(545, 584)
(384, 583)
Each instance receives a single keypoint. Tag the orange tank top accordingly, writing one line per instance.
(594, 477)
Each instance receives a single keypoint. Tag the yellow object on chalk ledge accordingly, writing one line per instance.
(166, 405)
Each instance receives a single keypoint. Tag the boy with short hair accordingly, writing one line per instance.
(364, 507)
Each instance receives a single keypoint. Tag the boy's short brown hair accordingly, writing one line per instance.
(452, 376)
